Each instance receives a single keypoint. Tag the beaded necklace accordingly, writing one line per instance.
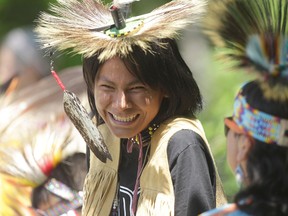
(144, 137)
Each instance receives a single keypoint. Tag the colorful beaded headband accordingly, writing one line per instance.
(59, 189)
(261, 126)
(71, 199)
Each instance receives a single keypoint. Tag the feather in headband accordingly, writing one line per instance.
(29, 160)
(86, 26)
(253, 33)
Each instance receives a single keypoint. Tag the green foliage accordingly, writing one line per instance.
(14, 13)
(146, 6)
(19, 13)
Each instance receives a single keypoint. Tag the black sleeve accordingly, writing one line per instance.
(192, 172)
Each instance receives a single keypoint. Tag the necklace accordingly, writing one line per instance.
(142, 139)
(144, 136)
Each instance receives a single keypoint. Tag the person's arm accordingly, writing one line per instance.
(192, 173)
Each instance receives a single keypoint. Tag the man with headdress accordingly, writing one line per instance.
(144, 99)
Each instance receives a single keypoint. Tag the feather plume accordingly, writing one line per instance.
(81, 25)
(36, 155)
(14, 199)
(253, 34)
(35, 132)
(5, 113)
(42, 99)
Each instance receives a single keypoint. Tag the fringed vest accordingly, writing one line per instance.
(157, 193)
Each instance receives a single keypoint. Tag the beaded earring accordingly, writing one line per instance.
(239, 175)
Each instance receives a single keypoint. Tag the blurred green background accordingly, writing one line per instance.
(217, 82)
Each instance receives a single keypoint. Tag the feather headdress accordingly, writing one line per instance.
(27, 159)
(87, 26)
(33, 156)
(36, 134)
(14, 200)
(40, 100)
(253, 33)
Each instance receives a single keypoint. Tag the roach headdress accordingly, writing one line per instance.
(35, 136)
(253, 33)
(28, 159)
(29, 145)
(88, 26)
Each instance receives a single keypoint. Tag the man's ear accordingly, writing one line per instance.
(244, 146)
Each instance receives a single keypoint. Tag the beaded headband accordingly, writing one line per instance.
(261, 126)
(73, 199)
(59, 189)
